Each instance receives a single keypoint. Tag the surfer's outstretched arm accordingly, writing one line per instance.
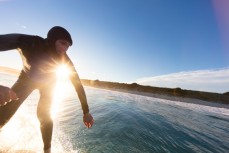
(9, 41)
(74, 77)
(88, 119)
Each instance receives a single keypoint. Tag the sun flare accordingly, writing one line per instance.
(61, 89)
(62, 72)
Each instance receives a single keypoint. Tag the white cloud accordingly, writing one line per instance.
(213, 80)
(21, 26)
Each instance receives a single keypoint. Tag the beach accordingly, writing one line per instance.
(172, 98)
(174, 94)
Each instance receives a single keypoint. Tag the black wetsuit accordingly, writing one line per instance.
(39, 63)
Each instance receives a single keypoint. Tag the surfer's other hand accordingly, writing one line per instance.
(6, 95)
(88, 120)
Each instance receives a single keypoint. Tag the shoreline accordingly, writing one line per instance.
(174, 94)
(181, 99)
(171, 98)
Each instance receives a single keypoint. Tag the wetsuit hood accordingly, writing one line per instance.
(58, 32)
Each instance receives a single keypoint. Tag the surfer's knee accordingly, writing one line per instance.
(47, 150)
(44, 117)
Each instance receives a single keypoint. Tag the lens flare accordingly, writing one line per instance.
(62, 72)
(61, 89)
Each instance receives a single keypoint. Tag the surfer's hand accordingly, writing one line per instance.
(6, 95)
(88, 120)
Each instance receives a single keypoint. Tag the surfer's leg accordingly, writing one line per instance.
(44, 114)
(23, 87)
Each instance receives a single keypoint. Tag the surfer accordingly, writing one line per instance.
(40, 57)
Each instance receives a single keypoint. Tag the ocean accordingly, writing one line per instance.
(124, 123)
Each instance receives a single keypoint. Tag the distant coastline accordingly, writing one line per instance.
(8, 70)
(175, 94)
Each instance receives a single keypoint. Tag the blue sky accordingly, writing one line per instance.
(144, 41)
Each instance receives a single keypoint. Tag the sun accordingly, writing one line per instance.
(62, 72)
(61, 89)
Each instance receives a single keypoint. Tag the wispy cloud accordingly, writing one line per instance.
(21, 26)
(213, 80)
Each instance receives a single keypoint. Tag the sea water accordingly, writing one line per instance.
(124, 123)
